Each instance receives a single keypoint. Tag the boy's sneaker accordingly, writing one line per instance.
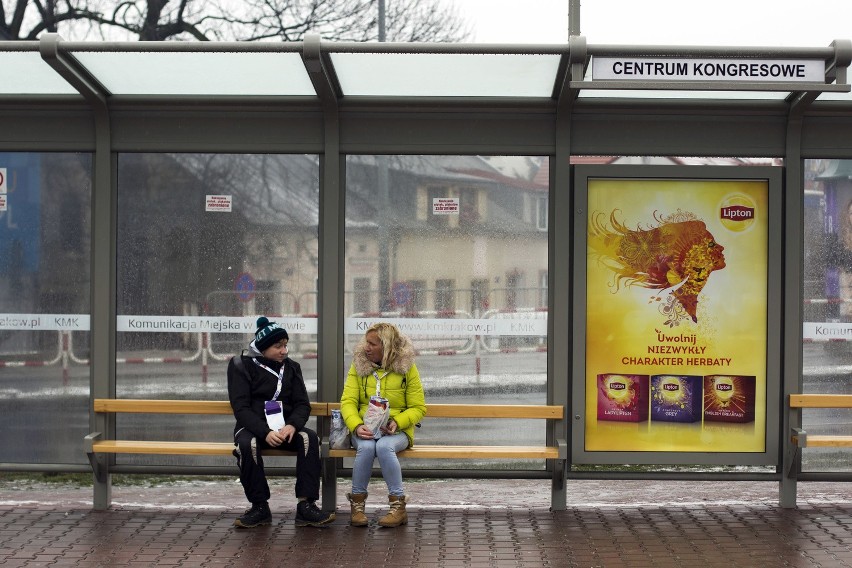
(259, 514)
(309, 515)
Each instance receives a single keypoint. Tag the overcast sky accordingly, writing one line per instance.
(805, 23)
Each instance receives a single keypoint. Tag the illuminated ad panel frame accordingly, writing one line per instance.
(677, 325)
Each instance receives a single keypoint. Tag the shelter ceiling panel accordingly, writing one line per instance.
(231, 130)
(40, 129)
(827, 135)
(637, 133)
(529, 133)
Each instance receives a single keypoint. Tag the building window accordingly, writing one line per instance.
(469, 205)
(445, 299)
(478, 296)
(514, 281)
(541, 213)
(361, 299)
(418, 295)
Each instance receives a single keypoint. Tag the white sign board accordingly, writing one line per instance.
(42, 322)
(832, 331)
(221, 203)
(4, 204)
(518, 324)
(210, 324)
(445, 206)
(511, 326)
(672, 69)
(2, 181)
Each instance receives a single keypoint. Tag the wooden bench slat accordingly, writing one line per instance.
(496, 452)
(324, 409)
(821, 400)
(172, 448)
(486, 411)
(225, 449)
(179, 406)
(824, 441)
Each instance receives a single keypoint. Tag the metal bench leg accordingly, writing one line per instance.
(558, 489)
(329, 483)
(790, 468)
(101, 477)
(558, 496)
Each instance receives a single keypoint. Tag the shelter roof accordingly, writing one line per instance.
(313, 70)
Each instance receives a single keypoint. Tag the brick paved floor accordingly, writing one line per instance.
(498, 527)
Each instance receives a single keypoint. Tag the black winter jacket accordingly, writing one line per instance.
(250, 385)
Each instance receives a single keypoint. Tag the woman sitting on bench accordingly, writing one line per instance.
(382, 365)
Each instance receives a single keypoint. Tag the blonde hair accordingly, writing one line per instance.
(392, 342)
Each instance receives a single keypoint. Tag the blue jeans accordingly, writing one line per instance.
(385, 448)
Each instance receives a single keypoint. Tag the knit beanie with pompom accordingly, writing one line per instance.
(268, 334)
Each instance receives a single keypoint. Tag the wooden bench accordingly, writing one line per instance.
(797, 438)
(801, 439)
(98, 448)
(558, 453)
(497, 411)
(95, 444)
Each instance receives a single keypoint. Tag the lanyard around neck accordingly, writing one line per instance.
(279, 375)
(379, 382)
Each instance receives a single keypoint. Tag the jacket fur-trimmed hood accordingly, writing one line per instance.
(404, 360)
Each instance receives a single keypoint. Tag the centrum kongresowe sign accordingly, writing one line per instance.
(690, 69)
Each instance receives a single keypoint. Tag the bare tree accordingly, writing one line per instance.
(227, 20)
(28, 19)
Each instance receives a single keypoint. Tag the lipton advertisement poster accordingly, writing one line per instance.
(676, 315)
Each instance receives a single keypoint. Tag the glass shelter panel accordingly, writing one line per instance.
(206, 244)
(272, 74)
(26, 73)
(449, 249)
(446, 75)
(827, 310)
(44, 305)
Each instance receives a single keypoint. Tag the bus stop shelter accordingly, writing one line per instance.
(116, 155)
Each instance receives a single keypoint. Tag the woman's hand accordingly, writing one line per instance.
(390, 427)
(363, 432)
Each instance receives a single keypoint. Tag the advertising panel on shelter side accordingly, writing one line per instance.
(676, 315)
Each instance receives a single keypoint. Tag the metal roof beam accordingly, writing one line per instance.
(320, 76)
(835, 68)
(69, 69)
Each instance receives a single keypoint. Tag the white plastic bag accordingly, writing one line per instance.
(338, 437)
(377, 415)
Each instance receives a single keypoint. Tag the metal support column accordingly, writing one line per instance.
(793, 226)
(103, 262)
(561, 226)
(331, 247)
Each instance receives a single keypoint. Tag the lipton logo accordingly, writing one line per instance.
(737, 213)
(671, 387)
(724, 387)
(617, 386)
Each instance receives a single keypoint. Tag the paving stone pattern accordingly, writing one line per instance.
(499, 528)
